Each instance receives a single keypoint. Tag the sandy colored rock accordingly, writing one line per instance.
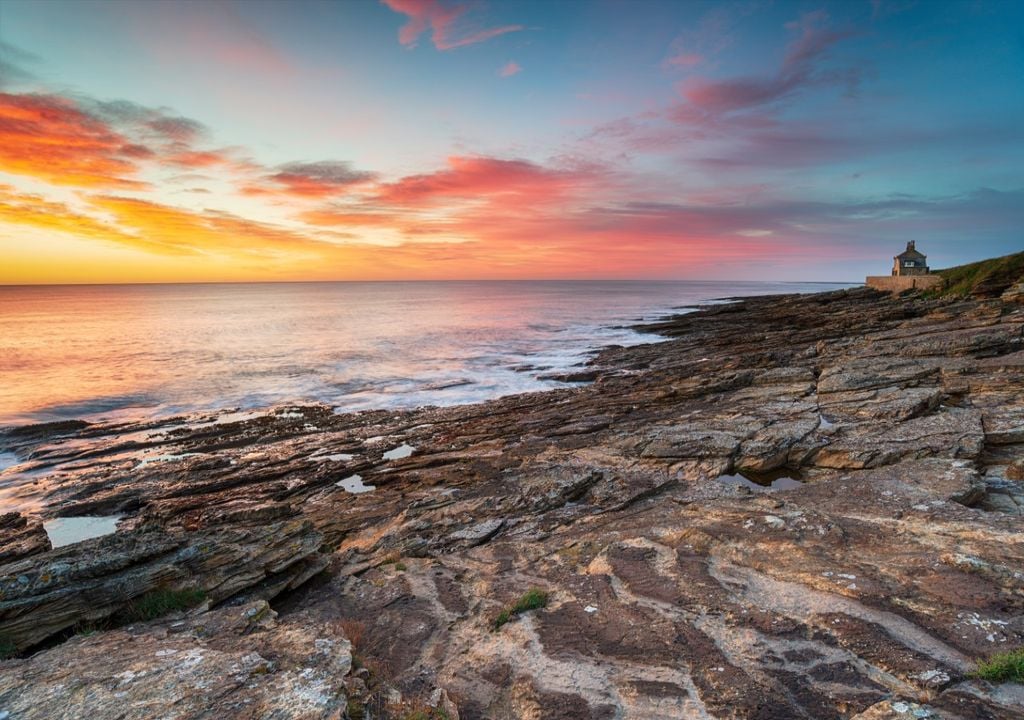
(873, 582)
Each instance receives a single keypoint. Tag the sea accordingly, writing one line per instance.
(142, 352)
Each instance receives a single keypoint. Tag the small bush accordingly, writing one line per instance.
(353, 630)
(533, 599)
(87, 628)
(1004, 667)
(426, 713)
(356, 710)
(160, 602)
(400, 567)
(7, 648)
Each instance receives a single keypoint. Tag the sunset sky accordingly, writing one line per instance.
(426, 139)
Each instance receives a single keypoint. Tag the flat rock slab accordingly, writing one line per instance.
(233, 662)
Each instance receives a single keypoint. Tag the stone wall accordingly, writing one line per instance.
(899, 283)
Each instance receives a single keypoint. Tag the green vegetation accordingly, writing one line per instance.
(356, 709)
(427, 713)
(400, 567)
(1004, 667)
(988, 278)
(86, 629)
(533, 599)
(7, 648)
(160, 602)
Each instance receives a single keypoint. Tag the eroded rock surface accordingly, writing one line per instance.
(885, 561)
(233, 662)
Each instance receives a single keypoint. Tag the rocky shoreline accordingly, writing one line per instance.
(798, 507)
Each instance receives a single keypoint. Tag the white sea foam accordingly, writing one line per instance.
(354, 346)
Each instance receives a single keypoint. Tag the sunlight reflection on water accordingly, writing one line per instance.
(141, 351)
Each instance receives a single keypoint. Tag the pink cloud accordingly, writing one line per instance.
(446, 21)
(798, 71)
(685, 59)
(517, 182)
(510, 68)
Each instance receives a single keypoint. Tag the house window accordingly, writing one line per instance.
(908, 263)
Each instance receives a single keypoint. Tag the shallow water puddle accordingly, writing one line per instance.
(402, 451)
(354, 485)
(228, 417)
(70, 530)
(170, 457)
(774, 480)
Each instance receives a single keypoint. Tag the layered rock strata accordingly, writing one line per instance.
(795, 507)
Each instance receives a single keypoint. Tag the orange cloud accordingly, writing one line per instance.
(195, 159)
(28, 209)
(204, 232)
(97, 145)
(330, 217)
(51, 138)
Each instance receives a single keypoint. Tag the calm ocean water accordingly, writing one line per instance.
(142, 351)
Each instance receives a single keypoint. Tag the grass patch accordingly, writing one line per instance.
(7, 648)
(1004, 667)
(88, 628)
(158, 603)
(533, 599)
(427, 713)
(353, 630)
(988, 278)
(356, 710)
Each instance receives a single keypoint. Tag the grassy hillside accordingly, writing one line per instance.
(988, 278)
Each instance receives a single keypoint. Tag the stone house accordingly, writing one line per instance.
(910, 262)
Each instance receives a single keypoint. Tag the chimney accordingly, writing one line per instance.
(910, 245)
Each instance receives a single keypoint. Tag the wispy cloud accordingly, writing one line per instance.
(217, 34)
(509, 69)
(87, 143)
(684, 59)
(316, 179)
(51, 138)
(478, 177)
(798, 71)
(447, 22)
(12, 65)
(35, 211)
(769, 165)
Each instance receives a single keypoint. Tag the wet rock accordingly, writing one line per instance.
(20, 537)
(49, 593)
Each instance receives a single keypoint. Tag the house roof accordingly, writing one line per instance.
(911, 254)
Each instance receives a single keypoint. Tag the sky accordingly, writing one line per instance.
(442, 139)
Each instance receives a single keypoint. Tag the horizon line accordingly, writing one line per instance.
(462, 280)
